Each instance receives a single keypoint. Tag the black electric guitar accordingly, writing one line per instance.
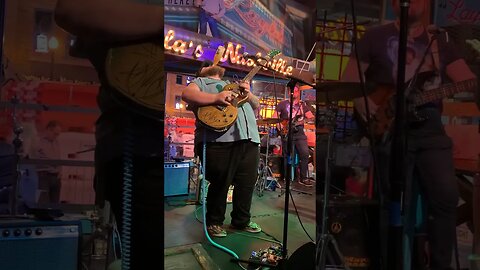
(284, 125)
(221, 117)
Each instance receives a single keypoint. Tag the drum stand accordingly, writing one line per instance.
(17, 143)
(265, 172)
(325, 238)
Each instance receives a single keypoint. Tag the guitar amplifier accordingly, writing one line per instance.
(39, 245)
(176, 178)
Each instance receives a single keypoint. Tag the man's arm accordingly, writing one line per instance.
(110, 20)
(194, 96)
(252, 99)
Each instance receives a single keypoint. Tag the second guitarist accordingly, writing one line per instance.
(429, 149)
(300, 113)
(232, 156)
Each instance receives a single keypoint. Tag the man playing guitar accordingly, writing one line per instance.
(429, 153)
(101, 24)
(300, 113)
(232, 156)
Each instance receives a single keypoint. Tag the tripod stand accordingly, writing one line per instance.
(17, 143)
(265, 172)
(325, 238)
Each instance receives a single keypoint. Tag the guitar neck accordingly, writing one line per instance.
(444, 91)
(257, 67)
(251, 74)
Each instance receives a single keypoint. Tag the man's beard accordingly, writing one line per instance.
(212, 71)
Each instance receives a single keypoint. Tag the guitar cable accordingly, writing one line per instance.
(127, 194)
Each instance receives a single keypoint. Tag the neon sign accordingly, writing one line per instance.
(231, 54)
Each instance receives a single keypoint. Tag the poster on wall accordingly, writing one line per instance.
(248, 22)
(461, 19)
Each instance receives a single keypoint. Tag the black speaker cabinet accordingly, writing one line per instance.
(353, 222)
(39, 245)
(176, 178)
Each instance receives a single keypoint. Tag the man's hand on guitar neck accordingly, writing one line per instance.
(252, 99)
(194, 97)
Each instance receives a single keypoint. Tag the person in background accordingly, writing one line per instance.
(429, 153)
(300, 114)
(49, 178)
(210, 12)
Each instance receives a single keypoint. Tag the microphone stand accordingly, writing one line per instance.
(17, 143)
(325, 238)
(398, 152)
(2, 34)
(283, 263)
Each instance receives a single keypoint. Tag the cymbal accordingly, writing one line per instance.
(336, 91)
(268, 121)
(305, 77)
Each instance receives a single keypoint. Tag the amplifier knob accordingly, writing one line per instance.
(17, 232)
(6, 233)
(28, 232)
(38, 231)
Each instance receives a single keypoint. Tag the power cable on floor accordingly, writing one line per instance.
(298, 216)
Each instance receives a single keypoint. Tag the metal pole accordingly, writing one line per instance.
(2, 34)
(398, 150)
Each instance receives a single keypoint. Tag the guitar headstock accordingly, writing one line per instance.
(218, 55)
(272, 54)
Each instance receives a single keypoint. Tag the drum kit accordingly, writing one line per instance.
(328, 93)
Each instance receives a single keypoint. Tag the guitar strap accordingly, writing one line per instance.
(435, 51)
(298, 112)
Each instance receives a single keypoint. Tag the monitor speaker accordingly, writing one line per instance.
(176, 178)
(41, 245)
(303, 257)
(353, 222)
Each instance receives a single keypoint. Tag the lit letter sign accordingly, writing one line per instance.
(231, 54)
